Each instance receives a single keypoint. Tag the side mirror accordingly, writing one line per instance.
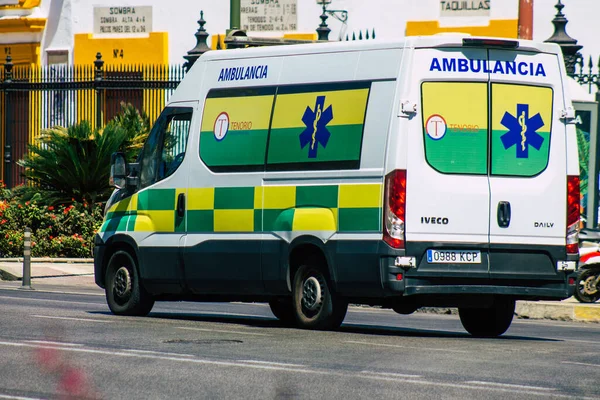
(118, 170)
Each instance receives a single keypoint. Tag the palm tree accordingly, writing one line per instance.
(67, 164)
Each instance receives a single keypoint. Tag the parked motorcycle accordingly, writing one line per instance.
(588, 275)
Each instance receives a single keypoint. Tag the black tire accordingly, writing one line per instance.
(488, 322)
(315, 306)
(585, 290)
(124, 293)
(283, 310)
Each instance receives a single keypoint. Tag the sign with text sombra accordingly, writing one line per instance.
(465, 8)
(269, 15)
(122, 20)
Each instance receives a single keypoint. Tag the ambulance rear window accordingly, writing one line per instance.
(455, 126)
(521, 126)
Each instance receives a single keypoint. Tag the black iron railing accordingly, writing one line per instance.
(33, 98)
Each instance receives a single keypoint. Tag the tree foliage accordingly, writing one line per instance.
(67, 165)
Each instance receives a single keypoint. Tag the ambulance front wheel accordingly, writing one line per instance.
(488, 322)
(124, 293)
(315, 305)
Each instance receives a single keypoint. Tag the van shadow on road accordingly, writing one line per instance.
(378, 330)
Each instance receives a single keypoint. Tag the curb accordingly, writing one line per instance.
(51, 260)
(561, 312)
(7, 276)
(557, 311)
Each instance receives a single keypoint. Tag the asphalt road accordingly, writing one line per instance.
(53, 345)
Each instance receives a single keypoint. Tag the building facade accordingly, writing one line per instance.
(50, 32)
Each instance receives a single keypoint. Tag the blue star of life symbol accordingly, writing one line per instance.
(522, 131)
(316, 131)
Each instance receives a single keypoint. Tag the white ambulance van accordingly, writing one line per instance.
(436, 171)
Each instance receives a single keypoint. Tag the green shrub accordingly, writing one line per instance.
(57, 231)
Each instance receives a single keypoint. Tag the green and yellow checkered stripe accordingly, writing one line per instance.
(343, 208)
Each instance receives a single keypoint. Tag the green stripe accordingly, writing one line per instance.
(117, 222)
(505, 161)
(344, 145)
(258, 220)
(156, 200)
(200, 220)
(359, 219)
(234, 198)
(131, 223)
(317, 196)
(458, 152)
(236, 148)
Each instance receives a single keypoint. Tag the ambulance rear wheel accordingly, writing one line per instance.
(315, 305)
(488, 322)
(124, 293)
(283, 310)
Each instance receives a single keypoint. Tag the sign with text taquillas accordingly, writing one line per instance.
(465, 8)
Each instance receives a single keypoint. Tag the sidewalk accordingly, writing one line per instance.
(78, 274)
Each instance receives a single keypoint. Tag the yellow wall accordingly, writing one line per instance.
(508, 28)
(21, 53)
(151, 50)
(23, 4)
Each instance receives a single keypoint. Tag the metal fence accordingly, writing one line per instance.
(34, 98)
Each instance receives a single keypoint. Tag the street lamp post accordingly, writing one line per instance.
(323, 30)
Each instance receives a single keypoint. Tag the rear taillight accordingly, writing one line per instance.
(394, 208)
(572, 214)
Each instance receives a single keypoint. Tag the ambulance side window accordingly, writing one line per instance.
(235, 126)
(166, 145)
(318, 127)
(455, 126)
(521, 126)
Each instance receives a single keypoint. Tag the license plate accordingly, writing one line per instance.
(454, 256)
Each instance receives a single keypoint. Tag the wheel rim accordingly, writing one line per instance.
(122, 288)
(311, 294)
(588, 285)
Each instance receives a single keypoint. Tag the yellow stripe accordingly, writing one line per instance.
(201, 198)
(133, 206)
(280, 197)
(360, 196)
(314, 219)
(258, 198)
(234, 220)
(155, 221)
(505, 98)
(459, 103)
(254, 109)
(348, 107)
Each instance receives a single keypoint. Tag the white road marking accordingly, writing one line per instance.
(73, 319)
(160, 353)
(52, 301)
(406, 347)
(271, 363)
(509, 385)
(421, 382)
(50, 343)
(224, 331)
(392, 374)
(580, 363)
(5, 396)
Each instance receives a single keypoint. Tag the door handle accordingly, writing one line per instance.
(181, 204)
(503, 214)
